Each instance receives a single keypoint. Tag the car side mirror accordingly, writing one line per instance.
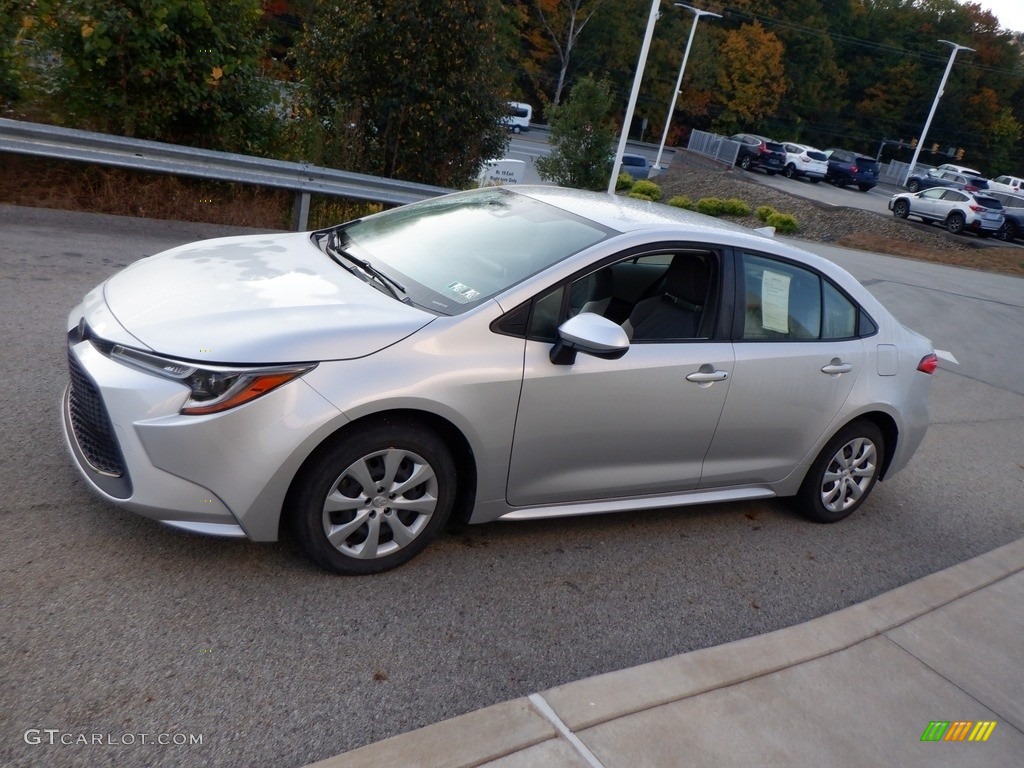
(590, 334)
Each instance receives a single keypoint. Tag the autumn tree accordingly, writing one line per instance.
(564, 21)
(581, 138)
(409, 89)
(174, 70)
(750, 80)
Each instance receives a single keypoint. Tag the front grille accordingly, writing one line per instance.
(89, 421)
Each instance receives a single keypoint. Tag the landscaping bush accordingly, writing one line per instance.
(735, 207)
(681, 201)
(764, 211)
(647, 190)
(710, 206)
(624, 182)
(783, 222)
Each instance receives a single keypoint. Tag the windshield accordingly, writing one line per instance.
(456, 251)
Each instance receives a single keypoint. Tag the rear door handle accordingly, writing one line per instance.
(706, 375)
(836, 367)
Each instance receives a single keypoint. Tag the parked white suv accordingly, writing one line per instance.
(1011, 184)
(804, 161)
(957, 209)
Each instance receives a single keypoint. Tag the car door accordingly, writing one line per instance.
(598, 428)
(928, 204)
(797, 358)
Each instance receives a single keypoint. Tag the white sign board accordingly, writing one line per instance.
(498, 172)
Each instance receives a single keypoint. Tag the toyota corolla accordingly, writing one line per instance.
(493, 354)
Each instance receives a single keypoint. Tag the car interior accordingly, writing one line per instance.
(654, 297)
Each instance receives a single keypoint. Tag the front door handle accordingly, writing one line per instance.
(836, 367)
(707, 375)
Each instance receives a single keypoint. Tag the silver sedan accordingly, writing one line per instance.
(494, 354)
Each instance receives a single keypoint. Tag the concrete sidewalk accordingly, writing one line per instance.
(855, 688)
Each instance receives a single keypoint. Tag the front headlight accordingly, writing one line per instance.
(213, 388)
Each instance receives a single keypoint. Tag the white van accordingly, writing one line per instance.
(1012, 184)
(519, 117)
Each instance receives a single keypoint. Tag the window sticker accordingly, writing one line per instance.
(775, 301)
(464, 292)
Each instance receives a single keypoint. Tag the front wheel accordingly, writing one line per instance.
(901, 209)
(373, 499)
(844, 473)
(955, 223)
(745, 162)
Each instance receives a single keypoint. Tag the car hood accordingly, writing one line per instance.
(255, 299)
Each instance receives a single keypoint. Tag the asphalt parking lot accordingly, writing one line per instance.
(116, 627)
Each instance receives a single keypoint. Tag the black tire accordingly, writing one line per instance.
(516, 129)
(790, 171)
(1008, 232)
(815, 181)
(850, 460)
(955, 223)
(404, 518)
(901, 209)
(841, 181)
(745, 162)
(914, 185)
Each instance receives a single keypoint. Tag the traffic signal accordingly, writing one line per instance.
(935, 146)
(960, 154)
(913, 143)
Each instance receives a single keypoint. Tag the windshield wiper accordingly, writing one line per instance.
(388, 282)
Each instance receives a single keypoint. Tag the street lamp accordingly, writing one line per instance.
(648, 35)
(935, 104)
(697, 13)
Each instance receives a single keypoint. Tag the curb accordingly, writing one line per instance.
(489, 734)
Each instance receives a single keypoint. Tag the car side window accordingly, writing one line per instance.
(954, 196)
(935, 192)
(784, 302)
(662, 296)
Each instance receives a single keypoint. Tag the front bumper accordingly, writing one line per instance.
(224, 474)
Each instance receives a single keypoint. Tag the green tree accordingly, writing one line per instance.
(11, 22)
(183, 71)
(409, 89)
(581, 137)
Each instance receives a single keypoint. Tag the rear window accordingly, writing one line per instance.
(817, 155)
(989, 202)
(867, 163)
(978, 183)
(775, 147)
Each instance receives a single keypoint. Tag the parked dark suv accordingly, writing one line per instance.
(759, 152)
(845, 167)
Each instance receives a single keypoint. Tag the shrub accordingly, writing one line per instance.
(681, 201)
(735, 207)
(783, 222)
(624, 182)
(764, 211)
(646, 189)
(710, 206)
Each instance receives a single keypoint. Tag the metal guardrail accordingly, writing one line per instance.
(141, 155)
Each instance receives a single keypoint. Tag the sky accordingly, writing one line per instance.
(1009, 12)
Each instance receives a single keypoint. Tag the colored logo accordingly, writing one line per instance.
(958, 730)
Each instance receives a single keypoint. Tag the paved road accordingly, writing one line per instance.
(113, 625)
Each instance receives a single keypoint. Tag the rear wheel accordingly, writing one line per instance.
(745, 162)
(790, 171)
(914, 185)
(901, 209)
(1008, 232)
(955, 223)
(373, 499)
(843, 475)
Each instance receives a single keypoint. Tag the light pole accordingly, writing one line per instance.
(651, 19)
(697, 13)
(935, 104)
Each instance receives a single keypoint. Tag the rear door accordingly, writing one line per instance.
(797, 358)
